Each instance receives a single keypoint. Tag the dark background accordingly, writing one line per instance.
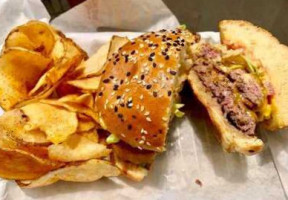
(204, 15)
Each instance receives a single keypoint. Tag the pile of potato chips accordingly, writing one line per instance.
(47, 88)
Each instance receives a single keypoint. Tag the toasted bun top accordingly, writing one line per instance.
(137, 89)
(261, 44)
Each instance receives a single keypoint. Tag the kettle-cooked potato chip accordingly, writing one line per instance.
(88, 171)
(13, 122)
(86, 83)
(75, 104)
(85, 124)
(34, 35)
(84, 99)
(57, 123)
(16, 81)
(95, 65)
(20, 165)
(78, 147)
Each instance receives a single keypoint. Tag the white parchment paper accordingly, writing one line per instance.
(192, 151)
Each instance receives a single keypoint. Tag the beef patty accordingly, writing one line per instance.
(238, 92)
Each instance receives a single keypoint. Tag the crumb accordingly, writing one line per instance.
(198, 182)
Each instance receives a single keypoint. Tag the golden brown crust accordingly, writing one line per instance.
(136, 91)
(231, 139)
(262, 45)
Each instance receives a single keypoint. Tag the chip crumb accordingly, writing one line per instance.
(198, 182)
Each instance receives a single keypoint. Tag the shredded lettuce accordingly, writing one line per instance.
(183, 26)
(176, 110)
(267, 111)
(112, 139)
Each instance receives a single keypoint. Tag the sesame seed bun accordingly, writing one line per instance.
(139, 86)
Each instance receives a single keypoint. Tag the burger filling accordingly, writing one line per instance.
(239, 87)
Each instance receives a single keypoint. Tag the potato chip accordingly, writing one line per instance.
(54, 75)
(57, 123)
(88, 171)
(132, 171)
(15, 81)
(84, 99)
(34, 35)
(74, 107)
(95, 65)
(116, 43)
(18, 164)
(13, 122)
(18, 39)
(78, 147)
(85, 124)
(86, 83)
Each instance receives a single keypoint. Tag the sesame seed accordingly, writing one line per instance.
(100, 94)
(148, 87)
(127, 90)
(141, 54)
(148, 143)
(169, 93)
(106, 80)
(147, 113)
(155, 81)
(129, 127)
(142, 108)
(173, 72)
(142, 77)
(167, 57)
(112, 93)
(118, 97)
(164, 119)
(121, 82)
(126, 58)
(141, 96)
(133, 116)
(141, 45)
(148, 119)
(154, 65)
(133, 52)
(139, 148)
(115, 109)
(122, 104)
(155, 94)
(143, 137)
(111, 77)
(123, 135)
(120, 115)
(115, 87)
(128, 73)
(141, 142)
(150, 58)
(138, 106)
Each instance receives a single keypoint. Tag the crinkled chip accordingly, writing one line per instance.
(34, 35)
(86, 83)
(20, 165)
(88, 171)
(78, 147)
(20, 70)
(57, 123)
